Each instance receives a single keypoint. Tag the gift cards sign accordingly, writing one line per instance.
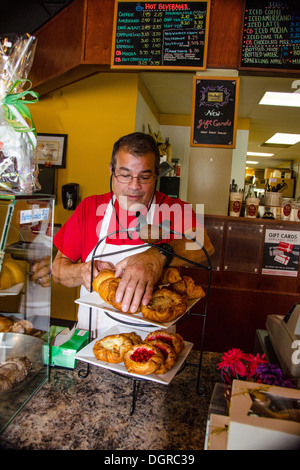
(281, 252)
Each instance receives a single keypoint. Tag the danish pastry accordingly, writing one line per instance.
(164, 306)
(173, 339)
(112, 348)
(170, 356)
(187, 286)
(143, 359)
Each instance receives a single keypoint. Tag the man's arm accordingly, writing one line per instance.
(73, 274)
(140, 272)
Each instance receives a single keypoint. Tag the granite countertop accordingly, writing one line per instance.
(93, 413)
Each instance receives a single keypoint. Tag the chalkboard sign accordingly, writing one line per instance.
(160, 35)
(271, 35)
(214, 114)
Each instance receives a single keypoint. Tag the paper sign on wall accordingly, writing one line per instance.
(281, 253)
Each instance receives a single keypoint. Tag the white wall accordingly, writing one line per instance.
(179, 137)
(239, 157)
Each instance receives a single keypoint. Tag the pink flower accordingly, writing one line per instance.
(233, 362)
(253, 362)
(236, 364)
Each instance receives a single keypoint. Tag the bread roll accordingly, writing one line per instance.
(12, 273)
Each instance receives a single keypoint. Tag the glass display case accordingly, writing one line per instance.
(26, 226)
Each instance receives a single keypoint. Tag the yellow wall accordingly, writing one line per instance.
(94, 113)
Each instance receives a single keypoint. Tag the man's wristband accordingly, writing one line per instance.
(167, 251)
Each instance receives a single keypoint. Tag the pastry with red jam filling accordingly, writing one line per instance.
(143, 359)
(169, 354)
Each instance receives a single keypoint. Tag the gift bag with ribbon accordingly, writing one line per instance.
(18, 159)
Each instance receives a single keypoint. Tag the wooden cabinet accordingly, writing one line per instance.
(241, 295)
(76, 43)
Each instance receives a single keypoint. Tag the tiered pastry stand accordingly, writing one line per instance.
(83, 373)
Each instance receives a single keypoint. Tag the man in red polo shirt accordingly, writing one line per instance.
(108, 224)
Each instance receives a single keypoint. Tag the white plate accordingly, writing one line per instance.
(94, 300)
(14, 290)
(86, 355)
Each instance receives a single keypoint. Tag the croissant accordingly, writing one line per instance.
(187, 286)
(170, 275)
(164, 306)
(106, 285)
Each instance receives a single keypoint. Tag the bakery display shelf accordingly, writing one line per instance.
(200, 388)
(135, 319)
(86, 355)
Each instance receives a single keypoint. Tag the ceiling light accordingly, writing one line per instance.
(281, 99)
(259, 154)
(284, 139)
(250, 162)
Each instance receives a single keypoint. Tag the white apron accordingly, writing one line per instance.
(100, 321)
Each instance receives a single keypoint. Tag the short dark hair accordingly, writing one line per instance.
(137, 144)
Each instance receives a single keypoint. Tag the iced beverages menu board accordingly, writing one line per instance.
(271, 35)
(160, 35)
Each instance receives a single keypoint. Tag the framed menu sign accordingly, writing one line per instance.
(214, 113)
(271, 35)
(160, 35)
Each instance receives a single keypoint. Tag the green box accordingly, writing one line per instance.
(64, 344)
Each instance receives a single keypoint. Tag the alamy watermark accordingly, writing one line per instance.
(177, 221)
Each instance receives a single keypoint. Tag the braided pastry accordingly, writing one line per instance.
(112, 348)
(175, 340)
(164, 306)
(143, 359)
(170, 356)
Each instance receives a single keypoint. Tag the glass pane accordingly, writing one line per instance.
(243, 248)
(215, 230)
(24, 304)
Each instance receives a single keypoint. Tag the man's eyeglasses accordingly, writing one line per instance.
(142, 179)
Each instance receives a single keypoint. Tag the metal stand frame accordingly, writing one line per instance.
(136, 381)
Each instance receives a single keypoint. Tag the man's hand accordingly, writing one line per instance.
(41, 272)
(87, 269)
(139, 273)
(71, 274)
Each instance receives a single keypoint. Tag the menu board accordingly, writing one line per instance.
(271, 35)
(160, 35)
(214, 114)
